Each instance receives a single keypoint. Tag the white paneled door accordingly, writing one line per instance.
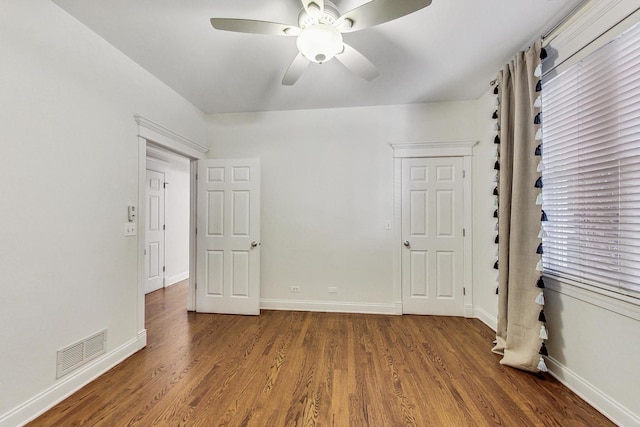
(432, 236)
(228, 236)
(154, 233)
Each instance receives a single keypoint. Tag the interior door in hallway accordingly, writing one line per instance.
(154, 223)
(432, 236)
(228, 236)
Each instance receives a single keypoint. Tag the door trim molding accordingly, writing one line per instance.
(150, 132)
(462, 149)
(433, 149)
(165, 137)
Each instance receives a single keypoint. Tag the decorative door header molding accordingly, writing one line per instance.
(433, 149)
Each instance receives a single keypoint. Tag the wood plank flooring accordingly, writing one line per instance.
(316, 369)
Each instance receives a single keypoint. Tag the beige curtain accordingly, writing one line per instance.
(518, 331)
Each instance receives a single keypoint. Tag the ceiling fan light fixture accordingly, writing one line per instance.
(320, 42)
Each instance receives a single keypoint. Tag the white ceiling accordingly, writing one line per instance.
(447, 51)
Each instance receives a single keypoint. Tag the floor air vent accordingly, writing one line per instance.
(76, 355)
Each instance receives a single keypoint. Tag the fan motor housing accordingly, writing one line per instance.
(329, 16)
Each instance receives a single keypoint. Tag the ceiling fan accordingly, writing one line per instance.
(319, 32)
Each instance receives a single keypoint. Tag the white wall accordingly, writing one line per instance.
(68, 170)
(485, 300)
(177, 210)
(327, 192)
(593, 347)
(177, 174)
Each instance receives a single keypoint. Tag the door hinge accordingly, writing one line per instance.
(145, 251)
(164, 268)
(464, 232)
(464, 173)
(464, 291)
(196, 285)
(164, 227)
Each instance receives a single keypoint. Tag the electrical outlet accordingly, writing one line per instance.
(295, 289)
(130, 229)
(332, 290)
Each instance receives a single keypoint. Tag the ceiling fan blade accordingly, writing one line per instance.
(254, 27)
(295, 70)
(358, 63)
(378, 12)
(313, 7)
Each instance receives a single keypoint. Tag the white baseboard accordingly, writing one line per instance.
(69, 384)
(331, 306)
(142, 339)
(595, 397)
(468, 311)
(486, 318)
(168, 281)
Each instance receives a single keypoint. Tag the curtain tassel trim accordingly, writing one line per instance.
(542, 367)
(538, 183)
(542, 317)
(543, 350)
(543, 333)
(538, 70)
(543, 53)
(538, 136)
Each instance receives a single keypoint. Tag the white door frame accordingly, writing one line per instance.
(462, 149)
(156, 134)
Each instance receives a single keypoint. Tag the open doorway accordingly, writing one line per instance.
(152, 134)
(167, 202)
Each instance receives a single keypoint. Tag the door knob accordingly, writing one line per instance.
(406, 243)
(254, 244)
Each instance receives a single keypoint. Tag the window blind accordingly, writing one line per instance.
(591, 160)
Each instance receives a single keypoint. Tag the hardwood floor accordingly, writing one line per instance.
(316, 369)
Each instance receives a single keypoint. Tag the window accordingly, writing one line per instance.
(591, 175)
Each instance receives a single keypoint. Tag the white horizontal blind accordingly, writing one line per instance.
(591, 157)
